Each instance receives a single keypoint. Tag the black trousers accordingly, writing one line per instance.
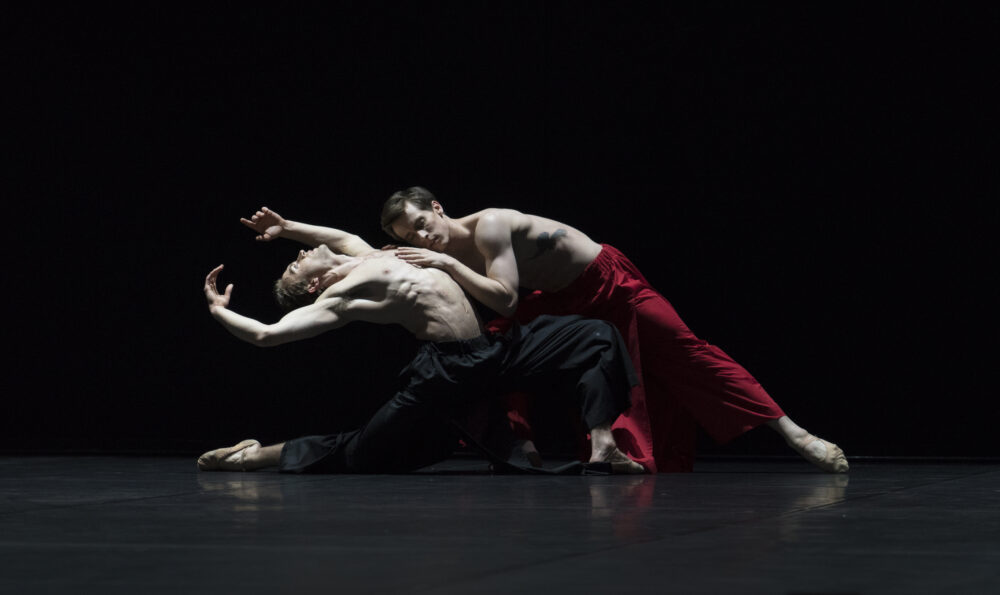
(564, 356)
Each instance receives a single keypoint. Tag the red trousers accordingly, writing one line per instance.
(685, 381)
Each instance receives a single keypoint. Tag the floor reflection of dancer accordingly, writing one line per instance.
(495, 252)
(456, 367)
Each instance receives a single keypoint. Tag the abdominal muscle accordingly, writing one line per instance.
(436, 307)
(450, 316)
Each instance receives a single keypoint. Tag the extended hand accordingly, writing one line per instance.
(266, 223)
(215, 299)
(421, 257)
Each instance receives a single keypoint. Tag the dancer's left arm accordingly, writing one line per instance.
(497, 289)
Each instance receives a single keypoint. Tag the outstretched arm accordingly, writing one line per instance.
(270, 225)
(498, 288)
(325, 314)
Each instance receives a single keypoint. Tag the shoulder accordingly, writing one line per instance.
(498, 220)
(497, 212)
(493, 227)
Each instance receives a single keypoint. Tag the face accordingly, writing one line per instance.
(423, 228)
(310, 264)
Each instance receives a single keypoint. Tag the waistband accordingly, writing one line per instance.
(606, 260)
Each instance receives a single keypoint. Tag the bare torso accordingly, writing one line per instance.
(425, 301)
(550, 254)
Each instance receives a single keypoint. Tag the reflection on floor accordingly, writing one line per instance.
(156, 525)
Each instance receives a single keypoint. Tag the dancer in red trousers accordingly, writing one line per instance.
(495, 254)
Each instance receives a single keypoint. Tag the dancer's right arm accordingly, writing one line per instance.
(332, 310)
(270, 225)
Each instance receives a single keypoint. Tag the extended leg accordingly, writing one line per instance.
(721, 395)
(403, 435)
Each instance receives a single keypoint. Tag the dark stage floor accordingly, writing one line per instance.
(156, 525)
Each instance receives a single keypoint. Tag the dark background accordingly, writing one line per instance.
(812, 186)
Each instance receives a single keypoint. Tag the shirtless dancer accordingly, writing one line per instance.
(455, 369)
(685, 380)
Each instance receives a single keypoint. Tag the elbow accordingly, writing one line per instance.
(264, 339)
(507, 312)
(509, 308)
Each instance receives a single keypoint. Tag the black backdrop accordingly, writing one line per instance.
(812, 186)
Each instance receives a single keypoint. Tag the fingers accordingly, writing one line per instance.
(212, 291)
(257, 215)
(415, 260)
(211, 278)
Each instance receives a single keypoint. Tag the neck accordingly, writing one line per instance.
(347, 265)
(344, 265)
(460, 235)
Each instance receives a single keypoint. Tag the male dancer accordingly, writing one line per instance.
(495, 252)
(456, 368)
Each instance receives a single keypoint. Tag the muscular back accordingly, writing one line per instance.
(549, 254)
(427, 302)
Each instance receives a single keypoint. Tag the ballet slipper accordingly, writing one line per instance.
(833, 462)
(218, 459)
(626, 466)
(524, 451)
(615, 462)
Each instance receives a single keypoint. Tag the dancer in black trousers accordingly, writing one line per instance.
(457, 369)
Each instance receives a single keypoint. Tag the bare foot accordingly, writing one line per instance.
(825, 455)
(620, 463)
(603, 449)
(529, 452)
(230, 458)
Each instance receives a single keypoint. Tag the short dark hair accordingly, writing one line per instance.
(292, 295)
(418, 196)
